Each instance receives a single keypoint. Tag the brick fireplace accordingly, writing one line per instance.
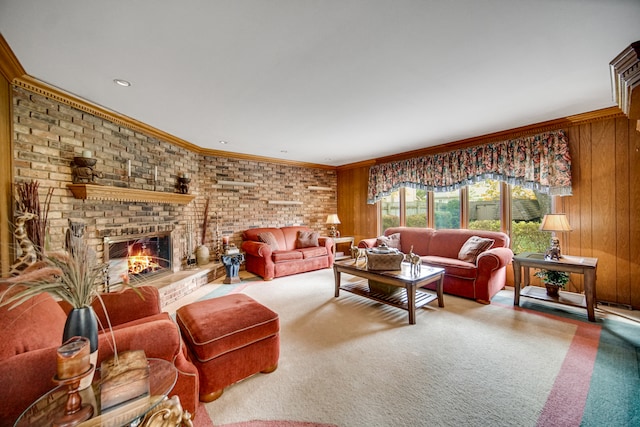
(137, 257)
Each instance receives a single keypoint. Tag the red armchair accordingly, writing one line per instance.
(31, 333)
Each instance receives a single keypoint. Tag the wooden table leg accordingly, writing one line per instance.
(336, 276)
(411, 303)
(516, 282)
(590, 292)
(440, 291)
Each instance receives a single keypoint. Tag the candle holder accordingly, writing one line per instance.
(74, 411)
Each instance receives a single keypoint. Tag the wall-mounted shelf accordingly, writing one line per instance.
(318, 188)
(239, 183)
(284, 202)
(105, 192)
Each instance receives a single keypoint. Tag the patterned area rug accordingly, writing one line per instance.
(348, 361)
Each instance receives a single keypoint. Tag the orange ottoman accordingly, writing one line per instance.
(229, 338)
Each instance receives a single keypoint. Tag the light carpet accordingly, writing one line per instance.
(349, 361)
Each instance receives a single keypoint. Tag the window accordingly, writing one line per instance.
(484, 206)
(415, 207)
(447, 209)
(528, 207)
(390, 210)
(481, 206)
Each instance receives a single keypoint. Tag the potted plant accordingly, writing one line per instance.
(553, 280)
(74, 276)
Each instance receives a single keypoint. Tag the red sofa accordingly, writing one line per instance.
(261, 259)
(439, 248)
(31, 333)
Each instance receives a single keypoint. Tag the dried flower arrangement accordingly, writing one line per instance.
(28, 200)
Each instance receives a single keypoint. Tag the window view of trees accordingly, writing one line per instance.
(484, 205)
(416, 207)
(447, 209)
(390, 213)
(483, 210)
(528, 207)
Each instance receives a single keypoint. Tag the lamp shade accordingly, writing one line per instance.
(555, 222)
(333, 219)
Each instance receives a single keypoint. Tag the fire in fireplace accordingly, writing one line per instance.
(137, 257)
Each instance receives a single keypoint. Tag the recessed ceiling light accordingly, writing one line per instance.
(223, 142)
(284, 151)
(121, 82)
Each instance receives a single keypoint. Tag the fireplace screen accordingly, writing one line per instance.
(138, 257)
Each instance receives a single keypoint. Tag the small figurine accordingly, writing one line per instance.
(83, 170)
(357, 253)
(414, 259)
(554, 251)
(183, 184)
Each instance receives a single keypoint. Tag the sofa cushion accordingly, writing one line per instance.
(313, 252)
(306, 239)
(268, 238)
(392, 240)
(280, 256)
(452, 266)
(253, 233)
(35, 324)
(473, 247)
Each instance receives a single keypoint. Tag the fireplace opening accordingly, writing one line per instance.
(134, 258)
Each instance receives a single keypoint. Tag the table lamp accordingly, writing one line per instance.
(554, 223)
(333, 220)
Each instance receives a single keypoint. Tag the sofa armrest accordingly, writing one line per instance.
(368, 243)
(124, 306)
(158, 338)
(258, 249)
(327, 242)
(128, 305)
(25, 378)
(494, 259)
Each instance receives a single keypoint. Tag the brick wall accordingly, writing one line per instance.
(48, 134)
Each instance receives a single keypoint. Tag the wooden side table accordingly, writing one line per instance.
(159, 410)
(581, 265)
(345, 239)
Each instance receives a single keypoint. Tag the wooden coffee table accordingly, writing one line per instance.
(414, 297)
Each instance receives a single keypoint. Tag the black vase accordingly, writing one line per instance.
(84, 323)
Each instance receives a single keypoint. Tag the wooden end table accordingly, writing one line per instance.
(572, 264)
(345, 239)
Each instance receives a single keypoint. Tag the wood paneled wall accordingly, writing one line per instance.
(604, 210)
(357, 218)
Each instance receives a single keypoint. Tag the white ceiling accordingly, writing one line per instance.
(327, 81)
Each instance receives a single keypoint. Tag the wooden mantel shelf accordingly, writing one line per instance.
(104, 192)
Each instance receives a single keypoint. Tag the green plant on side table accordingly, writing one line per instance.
(553, 280)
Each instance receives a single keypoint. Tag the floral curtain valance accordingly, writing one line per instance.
(540, 162)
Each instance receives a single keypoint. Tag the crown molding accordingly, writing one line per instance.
(10, 67)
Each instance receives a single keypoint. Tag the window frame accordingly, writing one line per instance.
(505, 208)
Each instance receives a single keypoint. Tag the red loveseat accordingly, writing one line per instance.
(479, 280)
(284, 257)
(31, 333)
